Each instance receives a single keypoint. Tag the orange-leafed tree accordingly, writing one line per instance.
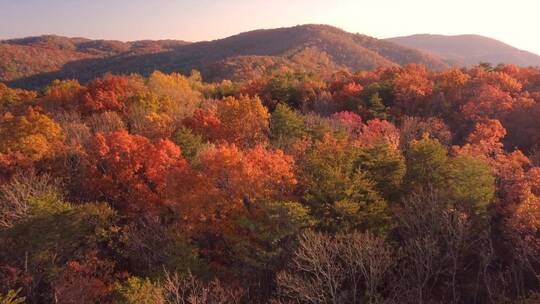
(412, 87)
(485, 140)
(13, 97)
(242, 121)
(489, 102)
(377, 130)
(230, 181)
(108, 93)
(130, 171)
(63, 94)
(85, 282)
(31, 133)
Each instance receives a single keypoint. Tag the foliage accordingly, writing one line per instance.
(11, 297)
(33, 134)
(422, 186)
(286, 126)
(137, 290)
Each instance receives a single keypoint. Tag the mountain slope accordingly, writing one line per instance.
(31, 56)
(311, 48)
(468, 49)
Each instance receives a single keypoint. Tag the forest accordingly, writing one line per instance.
(394, 185)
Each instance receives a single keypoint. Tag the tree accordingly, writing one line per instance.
(427, 164)
(339, 196)
(105, 122)
(411, 88)
(88, 281)
(471, 183)
(230, 181)
(376, 108)
(489, 103)
(13, 97)
(54, 234)
(376, 130)
(293, 89)
(415, 128)
(180, 289)
(346, 268)
(11, 297)
(63, 94)
(384, 165)
(350, 122)
(17, 197)
(242, 121)
(136, 290)
(190, 143)
(108, 93)
(130, 171)
(33, 134)
(286, 126)
(177, 94)
(485, 140)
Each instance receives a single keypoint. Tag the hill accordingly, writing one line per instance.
(468, 49)
(26, 57)
(311, 48)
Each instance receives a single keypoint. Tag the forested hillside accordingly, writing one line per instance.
(468, 50)
(395, 185)
(26, 57)
(308, 48)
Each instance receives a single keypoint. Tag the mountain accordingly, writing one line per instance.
(34, 62)
(468, 49)
(34, 56)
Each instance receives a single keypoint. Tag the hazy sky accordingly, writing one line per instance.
(516, 22)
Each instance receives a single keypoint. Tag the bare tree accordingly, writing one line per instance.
(105, 122)
(317, 276)
(190, 290)
(372, 258)
(15, 196)
(347, 268)
(437, 239)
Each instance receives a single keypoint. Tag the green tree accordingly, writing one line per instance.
(286, 125)
(427, 164)
(339, 196)
(138, 291)
(376, 108)
(471, 182)
(294, 89)
(56, 233)
(385, 165)
(189, 142)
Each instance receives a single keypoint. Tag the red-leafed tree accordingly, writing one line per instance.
(242, 121)
(130, 171)
(489, 103)
(376, 130)
(108, 93)
(412, 87)
(85, 282)
(230, 181)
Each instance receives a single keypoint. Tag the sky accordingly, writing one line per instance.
(515, 22)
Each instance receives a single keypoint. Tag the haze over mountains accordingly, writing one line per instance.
(468, 49)
(34, 62)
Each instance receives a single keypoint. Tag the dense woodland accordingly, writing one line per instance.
(396, 185)
(36, 61)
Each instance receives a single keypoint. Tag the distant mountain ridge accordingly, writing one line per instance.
(35, 61)
(311, 48)
(26, 57)
(468, 49)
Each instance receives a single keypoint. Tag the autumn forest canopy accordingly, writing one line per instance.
(400, 184)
